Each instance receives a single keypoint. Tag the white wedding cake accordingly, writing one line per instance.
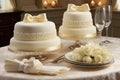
(35, 33)
(77, 23)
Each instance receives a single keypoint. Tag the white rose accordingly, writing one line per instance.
(98, 58)
(76, 50)
(86, 51)
(87, 59)
(76, 57)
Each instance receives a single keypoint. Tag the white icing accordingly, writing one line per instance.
(77, 31)
(116, 5)
(77, 19)
(34, 31)
(34, 27)
(77, 22)
(34, 36)
(34, 45)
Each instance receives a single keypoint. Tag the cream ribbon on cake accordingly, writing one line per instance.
(33, 66)
(28, 18)
(74, 8)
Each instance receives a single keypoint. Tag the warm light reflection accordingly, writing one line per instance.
(53, 3)
(99, 3)
(93, 3)
(45, 4)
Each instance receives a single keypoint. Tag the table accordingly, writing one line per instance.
(76, 73)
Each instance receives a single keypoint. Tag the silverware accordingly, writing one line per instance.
(59, 59)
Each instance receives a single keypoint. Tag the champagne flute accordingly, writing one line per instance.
(108, 18)
(99, 20)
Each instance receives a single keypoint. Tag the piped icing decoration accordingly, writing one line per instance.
(28, 18)
(33, 66)
(74, 8)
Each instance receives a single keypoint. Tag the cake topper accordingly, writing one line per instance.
(39, 18)
(74, 8)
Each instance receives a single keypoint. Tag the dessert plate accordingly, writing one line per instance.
(86, 65)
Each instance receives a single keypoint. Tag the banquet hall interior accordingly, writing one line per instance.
(59, 40)
(13, 11)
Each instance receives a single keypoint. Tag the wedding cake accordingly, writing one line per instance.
(35, 33)
(77, 23)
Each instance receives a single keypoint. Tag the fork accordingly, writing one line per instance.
(59, 59)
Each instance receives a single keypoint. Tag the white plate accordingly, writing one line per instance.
(86, 65)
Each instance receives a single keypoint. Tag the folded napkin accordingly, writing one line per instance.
(33, 66)
(28, 18)
(74, 8)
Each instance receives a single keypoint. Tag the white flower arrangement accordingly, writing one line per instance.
(91, 53)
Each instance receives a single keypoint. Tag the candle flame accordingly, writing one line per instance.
(93, 3)
(53, 3)
(45, 3)
(99, 3)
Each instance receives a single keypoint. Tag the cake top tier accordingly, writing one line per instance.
(74, 8)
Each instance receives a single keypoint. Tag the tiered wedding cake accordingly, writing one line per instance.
(77, 23)
(35, 33)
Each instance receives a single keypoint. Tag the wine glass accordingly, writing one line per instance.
(99, 20)
(108, 18)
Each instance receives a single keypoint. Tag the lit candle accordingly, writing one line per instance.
(99, 3)
(45, 4)
(53, 3)
(93, 3)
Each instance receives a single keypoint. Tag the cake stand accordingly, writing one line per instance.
(77, 38)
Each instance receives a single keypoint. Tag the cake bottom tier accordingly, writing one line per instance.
(77, 33)
(34, 46)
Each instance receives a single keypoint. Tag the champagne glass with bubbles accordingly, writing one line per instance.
(99, 20)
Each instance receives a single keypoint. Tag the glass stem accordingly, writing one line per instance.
(106, 28)
(100, 35)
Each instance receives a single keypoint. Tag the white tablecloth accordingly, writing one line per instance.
(76, 73)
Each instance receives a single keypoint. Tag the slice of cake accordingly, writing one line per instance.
(77, 23)
(35, 33)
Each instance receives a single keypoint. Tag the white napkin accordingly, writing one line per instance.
(33, 66)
